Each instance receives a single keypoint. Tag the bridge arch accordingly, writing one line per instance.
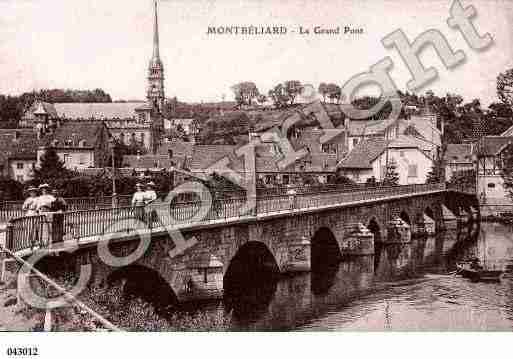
(145, 283)
(252, 263)
(250, 280)
(325, 250)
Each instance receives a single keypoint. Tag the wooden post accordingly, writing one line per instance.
(48, 320)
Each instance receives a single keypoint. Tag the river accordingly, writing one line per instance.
(405, 287)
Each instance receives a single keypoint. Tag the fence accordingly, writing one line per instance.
(30, 232)
(14, 209)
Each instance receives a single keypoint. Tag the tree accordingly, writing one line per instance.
(10, 190)
(505, 87)
(391, 175)
(334, 92)
(292, 89)
(434, 175)
(51, 168)
(245, 92)
(278, 95)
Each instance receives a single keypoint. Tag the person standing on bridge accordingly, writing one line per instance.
(30, 204)
(138, 202)
(45, 199)
(44, 206)
(58, 207)
(291, 192)
(150, 195)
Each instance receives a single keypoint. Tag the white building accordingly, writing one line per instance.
(491, 155)
(369, 159)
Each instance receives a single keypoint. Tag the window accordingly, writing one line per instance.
(491, 185)
(325, 147)
(285, 179)
(412, 170)
(19, 165)
(355, 142)
(19, 178)
(67, 158)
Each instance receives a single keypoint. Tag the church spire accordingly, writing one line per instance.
(156, 53)
(155, 92)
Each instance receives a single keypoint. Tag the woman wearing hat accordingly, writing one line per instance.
(45, 199)
(138, 202)
(30, 204)
(138, 197)
(150, 195)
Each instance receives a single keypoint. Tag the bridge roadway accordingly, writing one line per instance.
(88, 227)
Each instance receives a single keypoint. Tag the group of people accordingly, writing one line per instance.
(42, 200)
(144, 194)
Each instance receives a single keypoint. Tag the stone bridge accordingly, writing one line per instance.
(228, 254)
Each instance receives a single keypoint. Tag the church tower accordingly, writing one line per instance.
(155, 93)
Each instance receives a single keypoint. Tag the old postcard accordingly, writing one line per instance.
(240, 165)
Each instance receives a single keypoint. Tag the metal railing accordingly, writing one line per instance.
(461, 188)
(14, 209)
(30, 232)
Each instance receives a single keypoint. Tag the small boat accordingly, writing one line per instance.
(475, 272)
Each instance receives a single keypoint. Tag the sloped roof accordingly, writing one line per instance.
(492, 145)
(204, 156)
(403, 141)
(109, 110)
(77, 131)
(364, 153)
(151, 161)
(458, 153)
(22, 145)
(425, 128)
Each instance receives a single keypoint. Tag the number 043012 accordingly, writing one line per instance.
(22, 351)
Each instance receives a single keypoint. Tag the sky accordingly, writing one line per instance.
(91, 44)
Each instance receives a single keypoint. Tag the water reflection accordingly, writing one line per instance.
(403, 287)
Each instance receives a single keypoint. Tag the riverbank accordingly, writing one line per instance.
(130, 314)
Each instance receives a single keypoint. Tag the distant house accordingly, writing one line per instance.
(18, 154)
(457, 158)
(369, 159)
(490, 153)
(79, 144)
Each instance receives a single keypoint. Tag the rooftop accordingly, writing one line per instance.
(109, 110)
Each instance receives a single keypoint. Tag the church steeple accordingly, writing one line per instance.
(156, 53)
(155, 93)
